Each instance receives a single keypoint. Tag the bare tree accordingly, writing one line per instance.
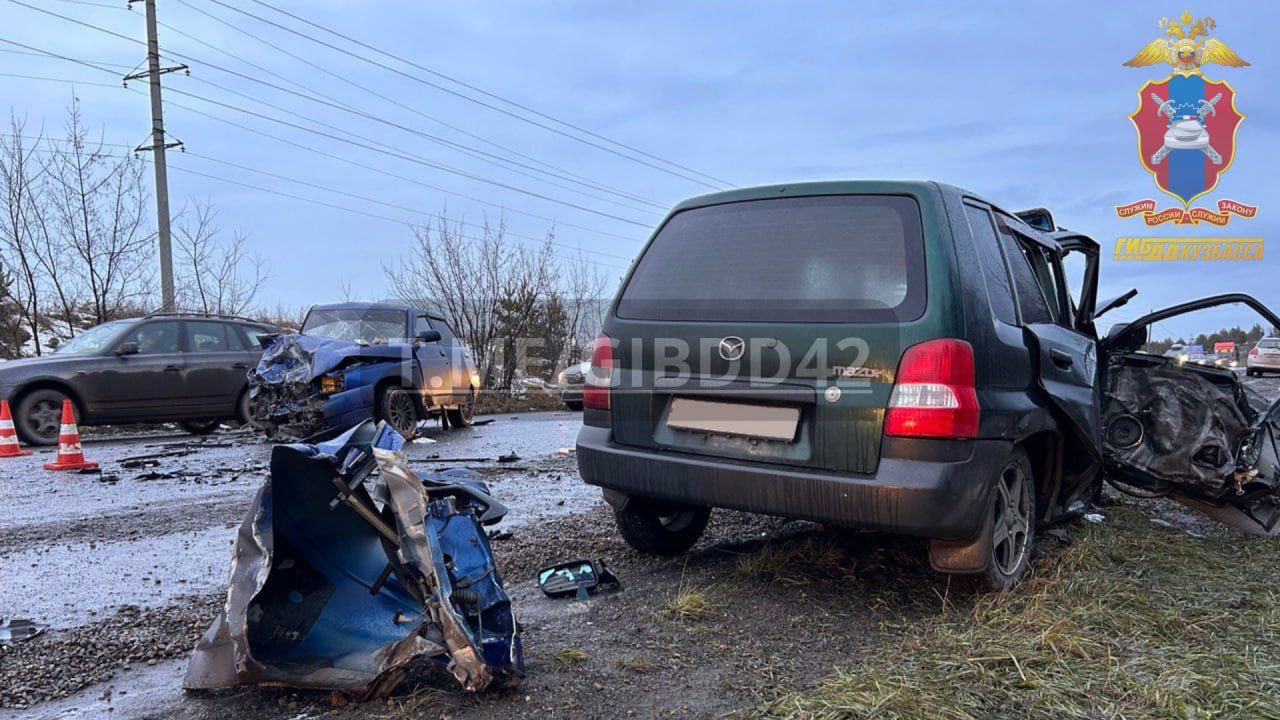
(215, 276)
(584, 299)
(511, 304)
(19, 174)
(98, 203)
(459, 277)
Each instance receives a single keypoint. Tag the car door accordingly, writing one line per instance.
(216, 364)
(433, 359)
(147, 384)
(461, 365)
(1064, 343)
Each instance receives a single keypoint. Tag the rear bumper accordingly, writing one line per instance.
(941, 491)
(1263, 364)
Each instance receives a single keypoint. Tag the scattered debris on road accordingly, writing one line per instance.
(342, 576)
(19, 629)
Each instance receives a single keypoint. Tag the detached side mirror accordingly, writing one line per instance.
(129, 348)
(428, 336)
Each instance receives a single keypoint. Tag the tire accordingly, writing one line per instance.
(244, 413)
(574, 405)
(200, 427)
(1251, 372)
(38, 417)
(661, 528)
(1013, 526)
(397, 407)
(465, 413)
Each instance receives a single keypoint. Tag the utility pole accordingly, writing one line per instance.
(157, 146)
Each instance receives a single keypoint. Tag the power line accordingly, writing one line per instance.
(587, 181)
(470, 99)
(557, 171)
(486, 93)
(393, 205)
(46, 55)
(303, 147)
(307, 148)
(402, 156)
(381, 171)
(323, 203)
(438, 166)
(392, 148)
(68, 81)
(482, 155)
(373, 148)
(335, 206)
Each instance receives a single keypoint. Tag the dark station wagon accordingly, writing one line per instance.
(897, 356)
(189, 368)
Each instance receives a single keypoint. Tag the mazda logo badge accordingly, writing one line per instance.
(732, 347)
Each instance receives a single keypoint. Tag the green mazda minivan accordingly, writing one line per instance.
(897, 356)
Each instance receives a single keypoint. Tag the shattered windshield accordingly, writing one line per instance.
(367, 326)
(95, 339)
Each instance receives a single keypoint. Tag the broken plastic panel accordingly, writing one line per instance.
(341, 577)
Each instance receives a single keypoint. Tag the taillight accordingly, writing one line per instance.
(595, 393)
(933, 394)
(1253, 352)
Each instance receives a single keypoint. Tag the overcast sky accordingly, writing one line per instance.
(1025, 103)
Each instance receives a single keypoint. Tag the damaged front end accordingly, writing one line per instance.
(1192, 432)
(342, 577)
(304, 385)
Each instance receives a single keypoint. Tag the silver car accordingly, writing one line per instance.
(1264, 357)
(569, 384)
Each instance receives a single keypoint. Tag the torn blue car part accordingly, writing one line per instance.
(342, 576)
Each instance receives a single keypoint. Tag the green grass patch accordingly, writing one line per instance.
(1129, 621)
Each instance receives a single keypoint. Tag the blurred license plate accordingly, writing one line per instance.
(761, 421)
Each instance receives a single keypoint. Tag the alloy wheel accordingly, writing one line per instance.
(401, 413)
(45, 418)
(1011, 529)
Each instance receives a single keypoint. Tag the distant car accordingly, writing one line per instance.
(1177, 351)
(1195, 354)
(356, 361)
(569, 384)
(167, 367)
(1264, 357)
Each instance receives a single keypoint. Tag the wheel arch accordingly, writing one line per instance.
(57, 384)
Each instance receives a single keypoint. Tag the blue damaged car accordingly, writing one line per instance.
(353, 362)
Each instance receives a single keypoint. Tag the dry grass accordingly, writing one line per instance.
(568, 657)
(637, 665)
(688, 605)
(797, 563)
(1128, 621)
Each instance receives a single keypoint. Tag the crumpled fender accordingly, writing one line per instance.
(332, 589)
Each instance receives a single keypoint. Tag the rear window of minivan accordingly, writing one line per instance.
(843, 258)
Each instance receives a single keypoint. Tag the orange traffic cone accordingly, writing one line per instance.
(9, 446)
(70, 456)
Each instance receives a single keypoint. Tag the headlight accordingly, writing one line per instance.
(330, 384)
